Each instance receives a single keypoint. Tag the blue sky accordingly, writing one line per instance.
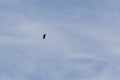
(82, 43)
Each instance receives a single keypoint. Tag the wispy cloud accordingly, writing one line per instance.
(82, 40)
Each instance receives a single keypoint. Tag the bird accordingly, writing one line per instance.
(44, 36)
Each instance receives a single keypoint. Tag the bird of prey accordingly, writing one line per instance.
(44, 35)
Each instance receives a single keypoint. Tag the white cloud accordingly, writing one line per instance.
(63, 54)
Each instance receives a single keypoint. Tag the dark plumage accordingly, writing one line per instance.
(44, 35)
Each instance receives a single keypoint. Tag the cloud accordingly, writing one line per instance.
(82, 40)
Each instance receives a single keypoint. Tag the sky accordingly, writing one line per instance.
(82, 41)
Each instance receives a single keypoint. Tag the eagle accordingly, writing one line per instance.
(44, 36)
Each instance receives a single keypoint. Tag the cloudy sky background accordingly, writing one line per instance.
(83, 41)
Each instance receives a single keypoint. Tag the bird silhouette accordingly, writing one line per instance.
(44, 36)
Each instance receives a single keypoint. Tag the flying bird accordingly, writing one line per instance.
(44, 36)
